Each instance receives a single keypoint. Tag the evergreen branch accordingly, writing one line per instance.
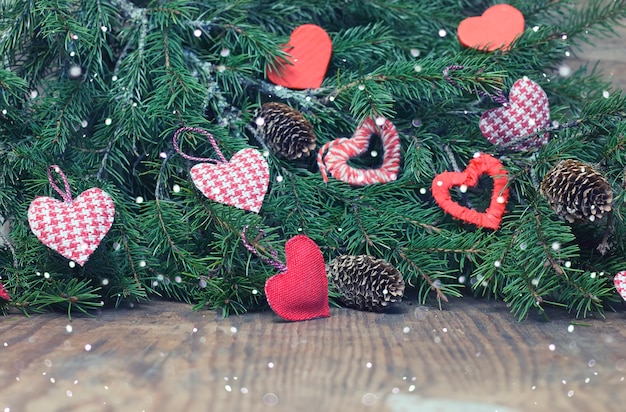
(438, 290)
(551, 261)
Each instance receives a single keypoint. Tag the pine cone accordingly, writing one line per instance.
(365, 283)
(285, 131)
(576, 192)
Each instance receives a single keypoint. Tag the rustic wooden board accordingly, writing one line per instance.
(164, 357)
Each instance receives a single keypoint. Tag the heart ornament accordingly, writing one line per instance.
(73, 227)
(496, 29)
(309, 50)
(3, 293)
(479, 165)
(242, 182)
(515, 125)
(620, 283)
(333, 157)
(300, 292)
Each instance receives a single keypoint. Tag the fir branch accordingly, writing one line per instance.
(441, 296)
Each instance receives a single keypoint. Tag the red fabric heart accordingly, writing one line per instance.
(242, 182)
(74, 228)
(300, 292)
(496, 29)
(478, 166)
(333, 157)
(527, 111)
(309, 50)
(620, 283)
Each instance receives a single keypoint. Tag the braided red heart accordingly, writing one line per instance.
(3, 293)
(479, 165)
(333, 156)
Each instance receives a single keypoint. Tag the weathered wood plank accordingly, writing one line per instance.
(164, 357)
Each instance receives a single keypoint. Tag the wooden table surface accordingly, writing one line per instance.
(472, 356)
(164, 357)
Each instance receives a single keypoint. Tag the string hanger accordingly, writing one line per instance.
(67, 194)
(209, 137)
(273, 261)
(497, 97)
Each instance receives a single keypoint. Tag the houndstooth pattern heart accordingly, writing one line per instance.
(527, 112)
(74, 229)
(242, 182)
(620, 283)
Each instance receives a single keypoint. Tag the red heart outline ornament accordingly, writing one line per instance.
(333, 157)
(620, 283)
(73, 229)
(496, 29)
(528, 110)
(309, 49)
(3, 293)
(242, 182)
(479, 165)
(300, 292)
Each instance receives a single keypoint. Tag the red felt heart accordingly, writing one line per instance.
(496, 29)
(333, 157)
(300, 292)
(620, 283)
(242, 182)
(528, 110)
(478, 166)
(309, 50)
(74, 228)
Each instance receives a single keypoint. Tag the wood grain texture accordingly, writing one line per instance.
(472, 356)
(164, 357)
(608, 53)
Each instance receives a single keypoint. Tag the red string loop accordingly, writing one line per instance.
(67, 194)
(209, 137)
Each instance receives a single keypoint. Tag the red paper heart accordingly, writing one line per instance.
(478, 166)
(309, 49)
(620, 283)
(75, 228)
(301, 292)
(527, 111)
(496, 29)
(242, 182)
(333, 157)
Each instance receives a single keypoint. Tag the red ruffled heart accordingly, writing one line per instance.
(496, 29)
(242, 182)
(309, 49)
(528, 110)
(300, 292)
(74, 228)
(482, 164)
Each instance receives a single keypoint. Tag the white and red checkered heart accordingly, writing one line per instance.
(73, 229)
(527, 111)
(242, 182)
(620, 283)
